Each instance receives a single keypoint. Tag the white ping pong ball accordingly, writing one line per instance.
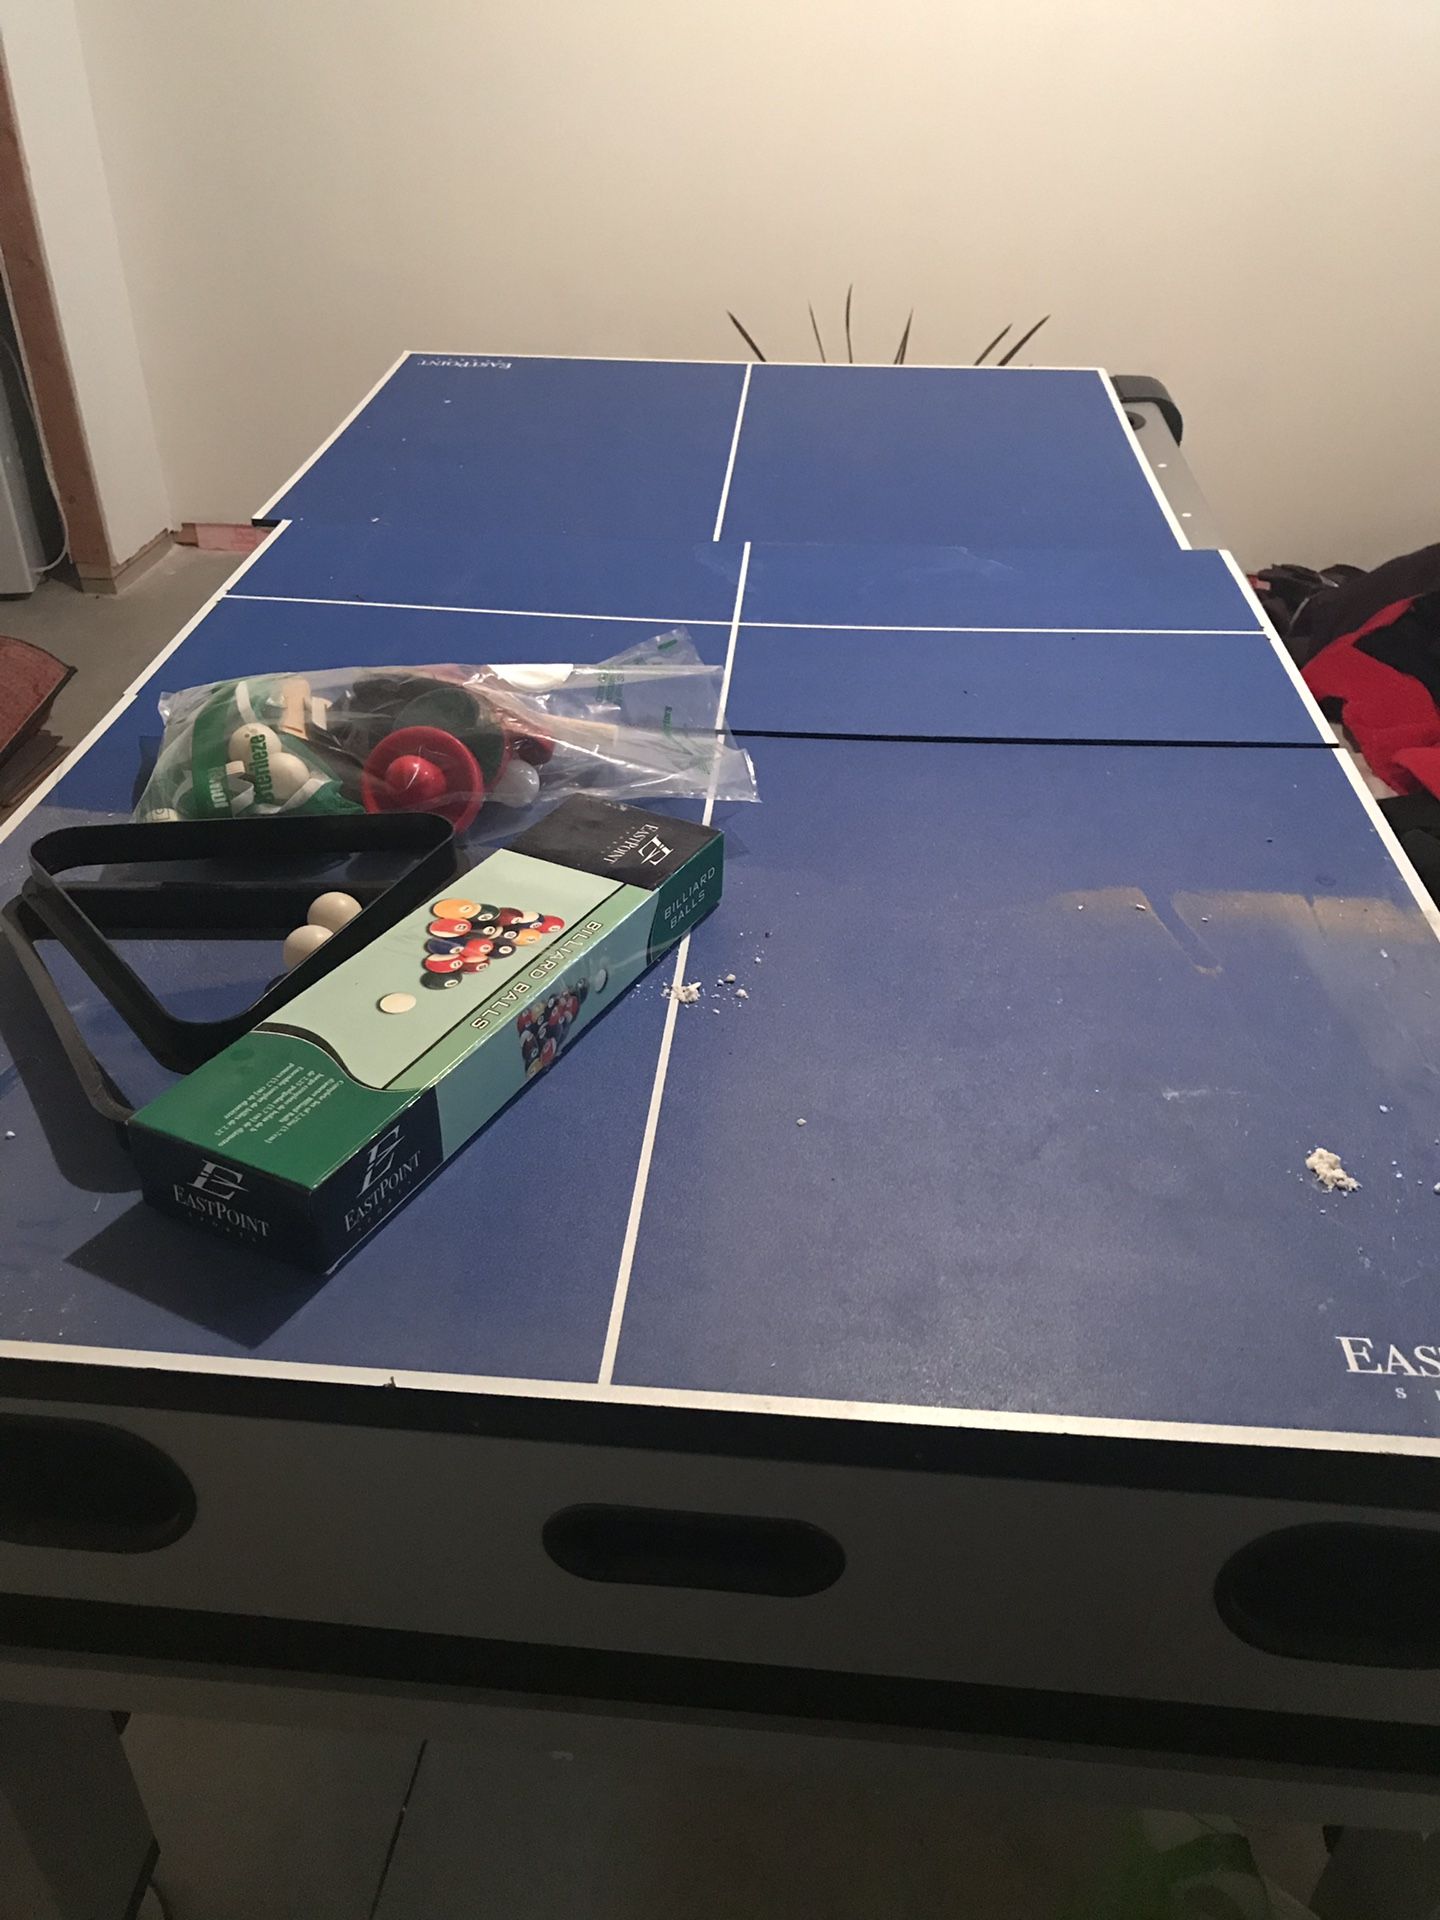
(517, 786)
(332, 911)
(244, 739)
(300, 944)
(288, 773)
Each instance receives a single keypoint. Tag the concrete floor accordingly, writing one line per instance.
(276, 1824)
(111, 638)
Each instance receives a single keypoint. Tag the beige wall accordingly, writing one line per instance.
(1240, 196)
(46, 70)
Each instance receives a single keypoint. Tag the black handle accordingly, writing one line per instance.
(1143, 389)
(720, 1552)
(93, 1488)
(1346, 1592)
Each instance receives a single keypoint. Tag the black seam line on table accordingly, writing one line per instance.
(1026, 740)
(1334, 1477)
(532, 1674)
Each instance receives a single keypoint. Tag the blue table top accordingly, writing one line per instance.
(1061, 1017)
(1030, 1106)
(906, 642)
(688, 450)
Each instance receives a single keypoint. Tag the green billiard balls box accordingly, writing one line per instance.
(302, 1138)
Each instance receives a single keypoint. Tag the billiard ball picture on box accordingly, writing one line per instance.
(301, 1138)
(467, 936)
(545, 1025)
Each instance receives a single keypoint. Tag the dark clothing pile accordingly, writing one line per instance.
(1369, 647)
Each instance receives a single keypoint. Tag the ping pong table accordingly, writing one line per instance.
(943, 1344)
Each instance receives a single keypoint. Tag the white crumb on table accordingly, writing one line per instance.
(729, 980)
(741, 994)
(1140, 907)
(800, 1123)
(1327, 1169)
(687, 992)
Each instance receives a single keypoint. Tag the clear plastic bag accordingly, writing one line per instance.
(480, 745)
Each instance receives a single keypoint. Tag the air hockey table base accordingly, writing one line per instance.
(1032, 1610)
(519, 1661)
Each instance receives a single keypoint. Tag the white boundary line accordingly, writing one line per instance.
(1182, 538)
(1391, 844)
(330, 439)
(662, 1064)
(127, 698)
(643, 359)
(780, 626)
(878, 1412)
(730, 653)
(670, 360)
(734, 449)
(509, 613)
(1322, 726)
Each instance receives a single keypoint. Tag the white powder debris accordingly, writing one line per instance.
(687, 992)
(1081, 907)
(1384, 1109)
(741, 994)
(729, 980)
(800, 1123)
(1140, 907)
(759, 960)
(716, 1012)
(9, 1133)
(1327, 1169)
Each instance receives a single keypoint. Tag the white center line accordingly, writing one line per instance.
(667, 1037)
(734, 449)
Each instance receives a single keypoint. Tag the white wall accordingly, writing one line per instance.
(1239, 196)
(46, 67)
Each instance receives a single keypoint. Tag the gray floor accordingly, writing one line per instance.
(271, 1824)
(111, 638)
(274, 1824)
(261, 1824)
